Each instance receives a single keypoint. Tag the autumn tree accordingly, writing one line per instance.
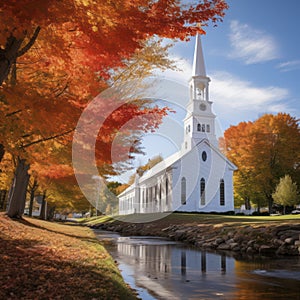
(286, 192)
(264, 151)
(140, 171)
(55, 56)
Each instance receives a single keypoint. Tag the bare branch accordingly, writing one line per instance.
(47, 138)
(30, 43)
(13, 113)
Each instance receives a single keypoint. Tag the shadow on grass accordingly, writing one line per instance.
(27, 222)
(31, 272)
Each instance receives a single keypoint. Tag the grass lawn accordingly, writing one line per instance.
(46, 260)
(193, 218)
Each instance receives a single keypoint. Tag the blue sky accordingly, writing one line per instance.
(253, 60)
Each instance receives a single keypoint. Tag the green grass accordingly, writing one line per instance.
(187, 218)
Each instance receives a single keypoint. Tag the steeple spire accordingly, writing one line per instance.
(198, 64)
(199, 122)
(199, 81)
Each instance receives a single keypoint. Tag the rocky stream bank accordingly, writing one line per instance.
(239, 238)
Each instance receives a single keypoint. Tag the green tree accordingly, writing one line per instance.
(286, 192)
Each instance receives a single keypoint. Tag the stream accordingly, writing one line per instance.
(162, 269)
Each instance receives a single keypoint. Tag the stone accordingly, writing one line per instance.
(219, 241)
(224, 246)
(233, 245)
(297, 243)
(250, 250)
(289, 240)
(230, 241)
(236, 248)
(265, 249)
(251, 242)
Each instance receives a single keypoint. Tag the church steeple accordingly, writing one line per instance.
(200, 120)
(198, 63)
(199, 81)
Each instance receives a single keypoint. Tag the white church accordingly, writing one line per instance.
(198, 178)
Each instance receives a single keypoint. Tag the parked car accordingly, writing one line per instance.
(295, 212)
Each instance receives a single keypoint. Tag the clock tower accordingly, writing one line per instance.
(199, 122)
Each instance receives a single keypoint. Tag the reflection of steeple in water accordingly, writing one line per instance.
(203, 262)
(183, 263)
(223, 263)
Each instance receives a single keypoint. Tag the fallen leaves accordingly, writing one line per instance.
(43, 260)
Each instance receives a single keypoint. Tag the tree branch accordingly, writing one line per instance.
(30, 43)
(47, 138)
(13, 113)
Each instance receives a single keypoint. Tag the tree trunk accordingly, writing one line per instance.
(13, 50)
(270, 204)
(17, 195)
(50, 213)
(247, 203)
(32, 194)
(43, 214)
(8, 56)
(2, 152)
(2, 199)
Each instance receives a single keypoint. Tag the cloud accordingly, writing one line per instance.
(251, 45)
(237, 100)
(289, 66)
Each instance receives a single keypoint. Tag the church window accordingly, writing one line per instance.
(183, 191)
(207, 128)
(167, 191)
(160, 192)
(204, 156)
(222, 192)
(189, 128)
(202, 191)
(199, 127)
(203, 127)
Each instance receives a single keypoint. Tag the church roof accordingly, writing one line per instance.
(168, 162)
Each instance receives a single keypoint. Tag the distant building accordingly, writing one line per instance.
(198, 178)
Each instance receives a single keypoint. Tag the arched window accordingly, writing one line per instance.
(199, 127)
(160, 192)
(222, 192)
(203, 127)
(202, 191)
(167, 191)
(183, 191)
(207, 128)
(189, 128)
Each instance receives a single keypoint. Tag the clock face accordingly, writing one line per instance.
(202, 107)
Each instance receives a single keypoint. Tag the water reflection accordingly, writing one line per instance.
(172, 271)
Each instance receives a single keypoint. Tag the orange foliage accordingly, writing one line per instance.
(264, 151)
(55, 56)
